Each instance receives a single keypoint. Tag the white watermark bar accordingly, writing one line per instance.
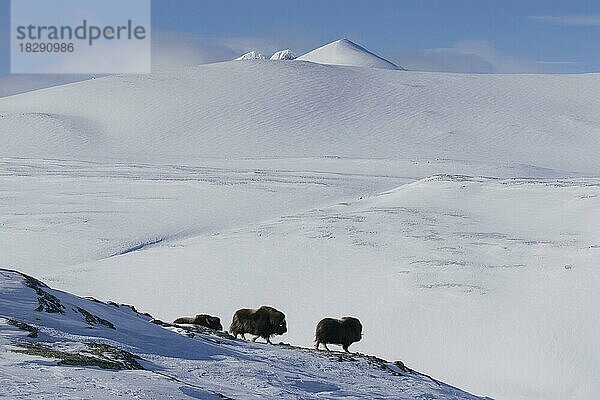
(80, 36)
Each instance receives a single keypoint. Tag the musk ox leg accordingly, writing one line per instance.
(269, 340)
(254, 338)
(326, 348)
(346, 348)
(317, 345)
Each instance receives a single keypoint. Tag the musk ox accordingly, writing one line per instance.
(263, 322)
(343, 331)
(203, 320)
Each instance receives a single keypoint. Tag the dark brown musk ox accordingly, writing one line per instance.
(262, 322)
(204, 320)
(343, 331)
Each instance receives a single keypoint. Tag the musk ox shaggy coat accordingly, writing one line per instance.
(203, 320)
(343, 331)
(263, 322)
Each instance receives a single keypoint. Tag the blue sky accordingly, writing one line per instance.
(459, 36)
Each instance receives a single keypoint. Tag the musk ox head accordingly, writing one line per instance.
(204, 320)
(262, 322)
(344, 332)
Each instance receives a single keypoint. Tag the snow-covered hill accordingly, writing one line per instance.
(346, 52)
(56, 345)
(295, 109)
(494, 277)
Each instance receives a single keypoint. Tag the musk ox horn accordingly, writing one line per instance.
(344, 332)
(262, 322)
(204, 320)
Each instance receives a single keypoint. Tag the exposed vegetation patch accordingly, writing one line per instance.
(396, 368)
(33, 331)
(136, 311)
(117, 305)
(94, 319)
(47, 302)
(95, 300)
(94, 355)
(191, 330)
(124, 358)
(32, 282)
(160, 322)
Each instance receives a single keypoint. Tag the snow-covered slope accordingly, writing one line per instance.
(82, 211)
(56, 345)
(346, 52)
(11, 84)
(272, 109)
(488, 282)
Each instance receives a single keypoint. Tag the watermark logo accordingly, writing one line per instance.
(80, 36)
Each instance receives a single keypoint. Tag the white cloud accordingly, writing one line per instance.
(444, 60)
(501, 62)
(169, 50)
(569, 20)
(476, 56)
(173, 49)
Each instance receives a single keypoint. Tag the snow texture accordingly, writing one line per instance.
(455, 215)
(294, 109)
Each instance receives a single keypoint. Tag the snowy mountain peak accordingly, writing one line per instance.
(345, 42)
(251, 55)
(346, 52)
(286, 54)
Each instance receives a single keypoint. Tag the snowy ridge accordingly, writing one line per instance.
(345, 52)
(49, 338)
